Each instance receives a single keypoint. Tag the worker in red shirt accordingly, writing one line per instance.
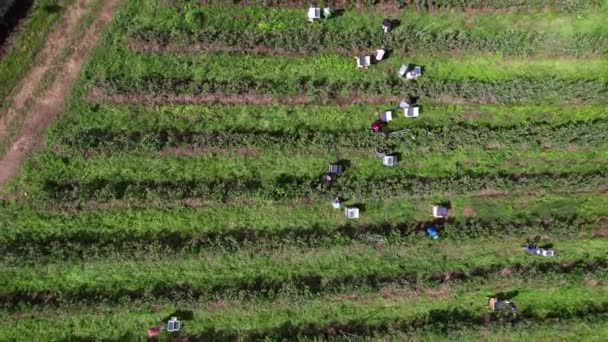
(376, 126)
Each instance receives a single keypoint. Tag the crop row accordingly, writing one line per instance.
(297, 174)
(448, 137)
(445, 320)
(313, 269)
(561, 5)
(290, 187)
(513, 91)
(46, 233)
(287, 29)
(354, 313)
(570, 330)
(311, 163)
(84, 119)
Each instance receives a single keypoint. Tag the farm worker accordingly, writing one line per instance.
(155, 330)
(380, 152)
(376, 126)
(432, 232)
(386, 25)
(336, 203)
(324, 182)
(499, 304)
(380, 53)
(403, 104)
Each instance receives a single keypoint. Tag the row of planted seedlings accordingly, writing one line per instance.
(328, 77)
(549, 297)
(156, 27)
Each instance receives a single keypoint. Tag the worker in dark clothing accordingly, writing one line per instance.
(498, 304)
(387, 25)
(325, 181)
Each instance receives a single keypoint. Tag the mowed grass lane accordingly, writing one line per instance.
(475, 78)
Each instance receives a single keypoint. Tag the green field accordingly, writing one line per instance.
(184, 178)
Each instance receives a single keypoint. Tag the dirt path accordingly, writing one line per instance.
(48, 105)
(160, 47)
(256, 99)
(56, 42)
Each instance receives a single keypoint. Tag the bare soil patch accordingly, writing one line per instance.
(600, 232)
(97, 95)
(491, 193)
(162, 47)
(468, 212)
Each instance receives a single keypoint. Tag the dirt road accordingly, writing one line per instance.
(45, 107)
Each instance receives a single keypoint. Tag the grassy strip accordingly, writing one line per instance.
(359, 313)
(484, 79)
(27, 43)
(33, 232)
(331, 67)
(280, 176)
(287, 29)
(263, 271)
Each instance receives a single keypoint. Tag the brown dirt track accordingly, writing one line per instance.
(47, 106)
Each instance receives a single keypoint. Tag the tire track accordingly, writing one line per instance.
(48, 106)
(57, 40)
